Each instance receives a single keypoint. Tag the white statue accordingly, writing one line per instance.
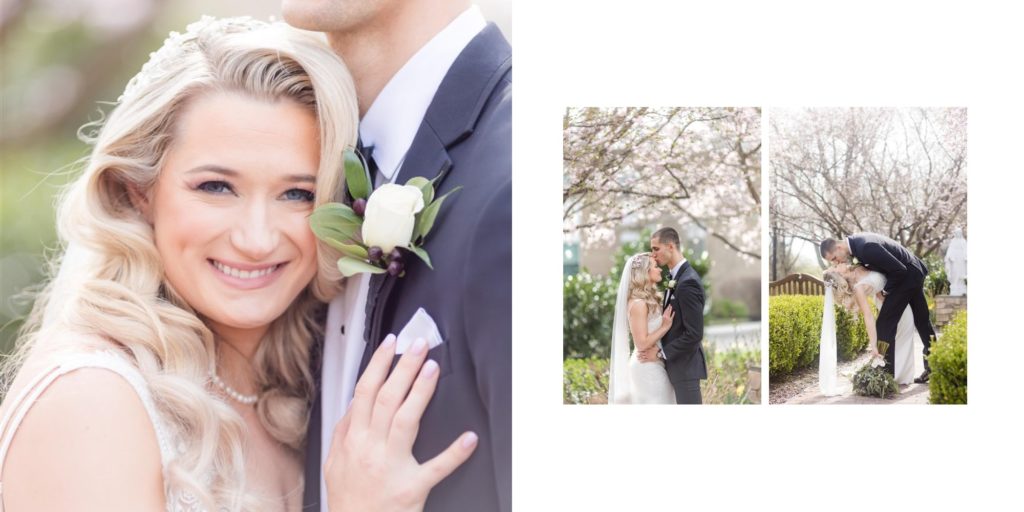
(956, 264)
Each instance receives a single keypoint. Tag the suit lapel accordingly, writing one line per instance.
(450, 119)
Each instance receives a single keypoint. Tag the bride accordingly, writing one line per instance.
(167, 365)
(853, 285)
(637, 309)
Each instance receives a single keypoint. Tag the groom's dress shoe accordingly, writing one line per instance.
(924, 377)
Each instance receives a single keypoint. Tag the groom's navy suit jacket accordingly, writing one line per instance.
(684, 355)
(885, 255)
(466, 136)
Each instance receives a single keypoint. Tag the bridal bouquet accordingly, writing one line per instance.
(379, 229)
(873, 380)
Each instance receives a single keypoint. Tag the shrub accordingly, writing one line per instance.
(948, 361)
(794, 333)
(588, 308)
(874, 381)
(728, 309)
(727, 374)
(585, 381)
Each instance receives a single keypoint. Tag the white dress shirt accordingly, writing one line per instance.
(394, 117)
(389, 126)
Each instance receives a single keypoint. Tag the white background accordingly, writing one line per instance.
(770, 53)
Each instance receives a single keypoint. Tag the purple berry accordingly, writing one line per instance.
(396, 255)
(375, 253)
(359, 206)
(395, 268)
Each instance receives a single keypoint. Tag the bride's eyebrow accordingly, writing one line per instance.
(231, 173)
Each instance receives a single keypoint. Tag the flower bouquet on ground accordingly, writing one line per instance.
(873, 380)
(381, 228)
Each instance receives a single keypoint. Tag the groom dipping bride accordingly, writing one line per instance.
(668, 362)
(895, 276)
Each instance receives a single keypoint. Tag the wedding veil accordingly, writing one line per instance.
(618, 378)
(827, 372)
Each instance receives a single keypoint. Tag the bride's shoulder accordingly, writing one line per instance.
(90, 430)
(637, 305)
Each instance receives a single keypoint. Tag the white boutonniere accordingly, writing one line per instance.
(379, 229)
(856, 261)
(672, 284)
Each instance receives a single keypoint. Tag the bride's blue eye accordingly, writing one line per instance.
(215, 187)
(298, 194)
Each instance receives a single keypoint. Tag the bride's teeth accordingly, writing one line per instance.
(243, 274)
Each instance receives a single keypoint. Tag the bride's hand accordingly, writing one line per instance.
(666, 316)
(370, 466)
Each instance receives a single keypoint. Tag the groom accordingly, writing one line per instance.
(904, 275)
(681, 347)
(434, 86)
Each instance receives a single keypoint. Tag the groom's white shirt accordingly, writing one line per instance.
(389, 126)
(395, 116)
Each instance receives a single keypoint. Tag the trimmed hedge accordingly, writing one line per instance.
(794, 333)
(948, 361)
(588, 308)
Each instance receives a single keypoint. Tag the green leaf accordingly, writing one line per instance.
(422, 253)
(351, 266)
(355, 176)
(426, 186)
(429, 214)
(355, 251)
(337, 221)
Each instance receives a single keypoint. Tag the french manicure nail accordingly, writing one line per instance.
(388, 341)
(429, 369)
(419, 346)
(469, 440)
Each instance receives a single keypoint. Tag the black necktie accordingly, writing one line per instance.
(371, 164)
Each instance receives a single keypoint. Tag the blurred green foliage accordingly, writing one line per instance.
(794, 333)
(948, 361)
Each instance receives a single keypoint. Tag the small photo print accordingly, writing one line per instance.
(661, 256)
(868, 256)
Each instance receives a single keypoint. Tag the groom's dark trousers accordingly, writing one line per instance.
(684, 355)
(904, 286)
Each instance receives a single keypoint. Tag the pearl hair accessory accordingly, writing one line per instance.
(235, 395)
(178, 44)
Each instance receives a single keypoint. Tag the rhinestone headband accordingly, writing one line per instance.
(178, 44)
(638, 261)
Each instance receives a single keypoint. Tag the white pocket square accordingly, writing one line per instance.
(419, 326)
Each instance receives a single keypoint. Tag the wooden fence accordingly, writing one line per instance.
(797, 284)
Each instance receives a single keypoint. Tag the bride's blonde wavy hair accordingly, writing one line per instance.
(842, 292)
(114, 287)
(640, 287)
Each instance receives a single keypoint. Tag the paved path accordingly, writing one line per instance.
(726, 335)
(909, 394)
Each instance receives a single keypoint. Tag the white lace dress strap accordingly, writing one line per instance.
(874, 282)
(19, 406)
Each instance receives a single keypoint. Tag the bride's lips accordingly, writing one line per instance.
(246, 276)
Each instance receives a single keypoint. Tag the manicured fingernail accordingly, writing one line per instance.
(469, 440)
(388, 341)
(429, 369)
(419, 346)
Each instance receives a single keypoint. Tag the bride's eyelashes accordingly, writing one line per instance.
(220, 187)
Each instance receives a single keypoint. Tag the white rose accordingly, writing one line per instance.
(391, 216)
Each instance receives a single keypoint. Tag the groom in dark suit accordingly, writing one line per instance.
(904, 286)
(681, 346)
(438, 59)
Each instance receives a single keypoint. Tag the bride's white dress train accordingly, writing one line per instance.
(906, 334)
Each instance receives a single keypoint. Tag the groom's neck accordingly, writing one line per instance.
(676, 258)
(377, 49)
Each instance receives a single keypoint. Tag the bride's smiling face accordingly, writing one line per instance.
(230, 207)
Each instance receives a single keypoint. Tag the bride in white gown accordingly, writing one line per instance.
(861, 284)
(638, 314)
